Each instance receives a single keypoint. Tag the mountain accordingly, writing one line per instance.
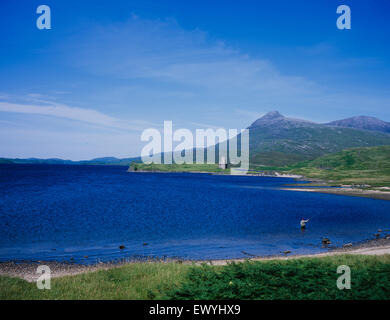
(275, 118)
(111, 161)
(39, 161)
(276, 140)
(105, 159)
(362, 122)
(96, 161)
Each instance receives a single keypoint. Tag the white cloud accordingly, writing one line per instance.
(161, 57)
(72, 113)
(156, 70)
(163, 52)
(76, 145)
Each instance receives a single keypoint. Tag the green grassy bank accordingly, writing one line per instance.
(304, 278)
(369, 166)
(353, 166)
(135, 166)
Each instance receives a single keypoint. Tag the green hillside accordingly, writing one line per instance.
(370, 165)
(276, 140)
(280, 145)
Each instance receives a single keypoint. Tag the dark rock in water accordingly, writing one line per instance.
(326, 241)
(377, 235)
(379, 230)
(248, 254)
(286, 252)
(86, 257)
(347, 245)
(145, 244)
(121, 247)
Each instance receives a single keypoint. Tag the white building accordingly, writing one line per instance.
(222, 163)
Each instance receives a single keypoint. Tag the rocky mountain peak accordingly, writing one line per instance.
(272, 115)
(274, 118)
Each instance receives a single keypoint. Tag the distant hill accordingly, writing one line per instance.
(112, 161)
(369, 165)
(96, 161)
(363, 122)
(276, 140)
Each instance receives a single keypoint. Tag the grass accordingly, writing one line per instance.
(176, 167)
(133, 281)
(362, 166)
(285, 145)
(370, 165)
(304, 278)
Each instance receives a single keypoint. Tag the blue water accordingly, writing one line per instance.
(69, 212)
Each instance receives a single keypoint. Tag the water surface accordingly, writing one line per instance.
(60, 212)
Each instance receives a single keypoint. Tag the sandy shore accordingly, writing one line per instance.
(375, 194)
(372, 247)
(27, 271)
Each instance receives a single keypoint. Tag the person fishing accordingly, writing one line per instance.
(303, 223)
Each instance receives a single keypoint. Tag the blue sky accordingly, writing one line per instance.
(109, 69)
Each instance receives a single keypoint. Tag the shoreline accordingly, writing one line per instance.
(277, 175)
(27, 270)
(325, 188)
(353, 192)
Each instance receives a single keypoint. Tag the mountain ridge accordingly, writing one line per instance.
(273, 117)
(362, 122)
(276, 140)
(95, 161)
